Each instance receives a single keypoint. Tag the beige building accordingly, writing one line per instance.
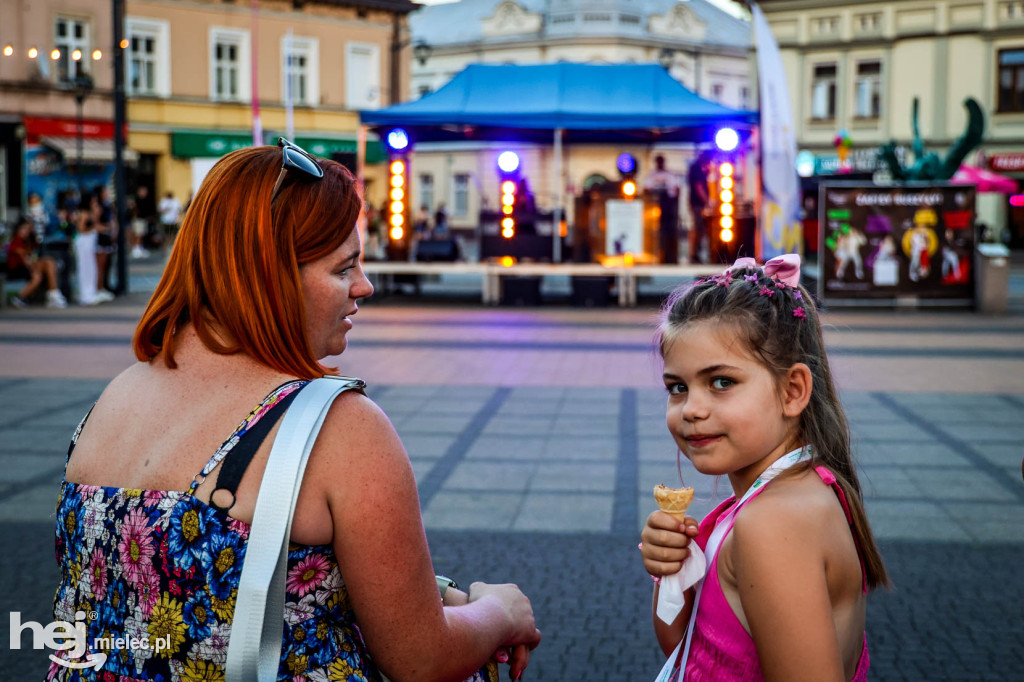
(194, 69)
(859, 65)
(49, 51)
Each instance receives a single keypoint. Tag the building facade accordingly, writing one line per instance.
(859, 66)
(198, 75)
(705, 48)
(56, 87)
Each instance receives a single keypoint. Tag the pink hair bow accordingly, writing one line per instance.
(784, 268)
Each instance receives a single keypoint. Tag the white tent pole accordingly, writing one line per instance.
(556, 253)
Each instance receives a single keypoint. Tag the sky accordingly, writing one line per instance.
(727, 5)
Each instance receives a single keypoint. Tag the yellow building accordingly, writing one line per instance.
(859, 65)
(202, 74)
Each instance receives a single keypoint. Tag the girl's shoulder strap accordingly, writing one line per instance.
(829, 479)
(76, 434)
(707, 525)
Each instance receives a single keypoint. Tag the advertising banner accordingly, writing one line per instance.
(781, 229)
(909, 242)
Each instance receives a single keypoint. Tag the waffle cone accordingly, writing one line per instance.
(673, 501)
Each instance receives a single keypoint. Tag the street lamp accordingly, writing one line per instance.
(422, 51)
(83, 87)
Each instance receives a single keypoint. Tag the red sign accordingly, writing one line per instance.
(1007, 163)
(66, 127)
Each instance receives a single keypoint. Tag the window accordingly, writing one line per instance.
(717, 91)
(229, 64)
(147, 62)
(825, 26)
(425, 90)
(1011, 80)
(868, 99)
(427, 190)
(71, 35)
(460, 194)
(362, 76)
(823, 92)
(300, 70)
(869, 23)
(744, 97)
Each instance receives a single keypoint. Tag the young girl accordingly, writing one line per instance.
(790, 558)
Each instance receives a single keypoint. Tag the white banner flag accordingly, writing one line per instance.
(781, 230)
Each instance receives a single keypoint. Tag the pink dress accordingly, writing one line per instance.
(721, 648)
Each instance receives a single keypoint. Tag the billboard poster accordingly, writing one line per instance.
(908, 242)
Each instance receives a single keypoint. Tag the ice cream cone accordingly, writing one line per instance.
(673, 501)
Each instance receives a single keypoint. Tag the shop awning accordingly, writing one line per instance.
(94, 150)
(200, 144)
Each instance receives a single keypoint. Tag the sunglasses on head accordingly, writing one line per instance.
(295, 158)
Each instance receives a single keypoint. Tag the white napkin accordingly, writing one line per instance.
(673, 587)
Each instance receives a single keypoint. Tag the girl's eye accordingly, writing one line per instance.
(721, 383)
(676, 389)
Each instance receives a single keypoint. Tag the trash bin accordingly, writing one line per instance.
(992, 269)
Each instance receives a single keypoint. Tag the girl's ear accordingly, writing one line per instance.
(797, 385)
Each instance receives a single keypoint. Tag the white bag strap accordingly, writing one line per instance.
(254, 648)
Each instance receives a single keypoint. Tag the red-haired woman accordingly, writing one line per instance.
(262, 283)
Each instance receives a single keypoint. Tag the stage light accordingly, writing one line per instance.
(33, 53)
(97, 55)
(726, 169)
(726, 183)
(398, 139)
(76, 55)
(727, 139)
(508, 162)
(629, 188)
(726, 222)
(508, 187)
(727, 196)
(726, 209)
(626, 163)
(54, 54)
(397, 194)
(397, 233)
(397, 181)
(8, 50)
(125, 43)
(397, 168)
(726, 236)
(397, 207)
(507, 210)
(508, 199)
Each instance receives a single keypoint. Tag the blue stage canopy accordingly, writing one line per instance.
(589, 101)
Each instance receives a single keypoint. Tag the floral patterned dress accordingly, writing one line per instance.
(156, 574)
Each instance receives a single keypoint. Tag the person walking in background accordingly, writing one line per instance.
(791, 557)
(24, 262)
(260, 289)
(170, 215)
(441, 222)
(697, 183)
(106, 239)
(85, 260)
(142, 210)
(665, 185)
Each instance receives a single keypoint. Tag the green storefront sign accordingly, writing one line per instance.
(187, 145)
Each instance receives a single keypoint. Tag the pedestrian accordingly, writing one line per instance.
(261, 287)
(699, 198)
(751, 396)
(24, 262)
(441, 221)
(170, 215)
(85, 260)
(142, 211)
(665, 185)
(106, 239)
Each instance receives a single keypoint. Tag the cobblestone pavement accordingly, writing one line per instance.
(537, 434)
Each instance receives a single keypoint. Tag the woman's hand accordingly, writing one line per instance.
(525, 635)
(666, 543)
